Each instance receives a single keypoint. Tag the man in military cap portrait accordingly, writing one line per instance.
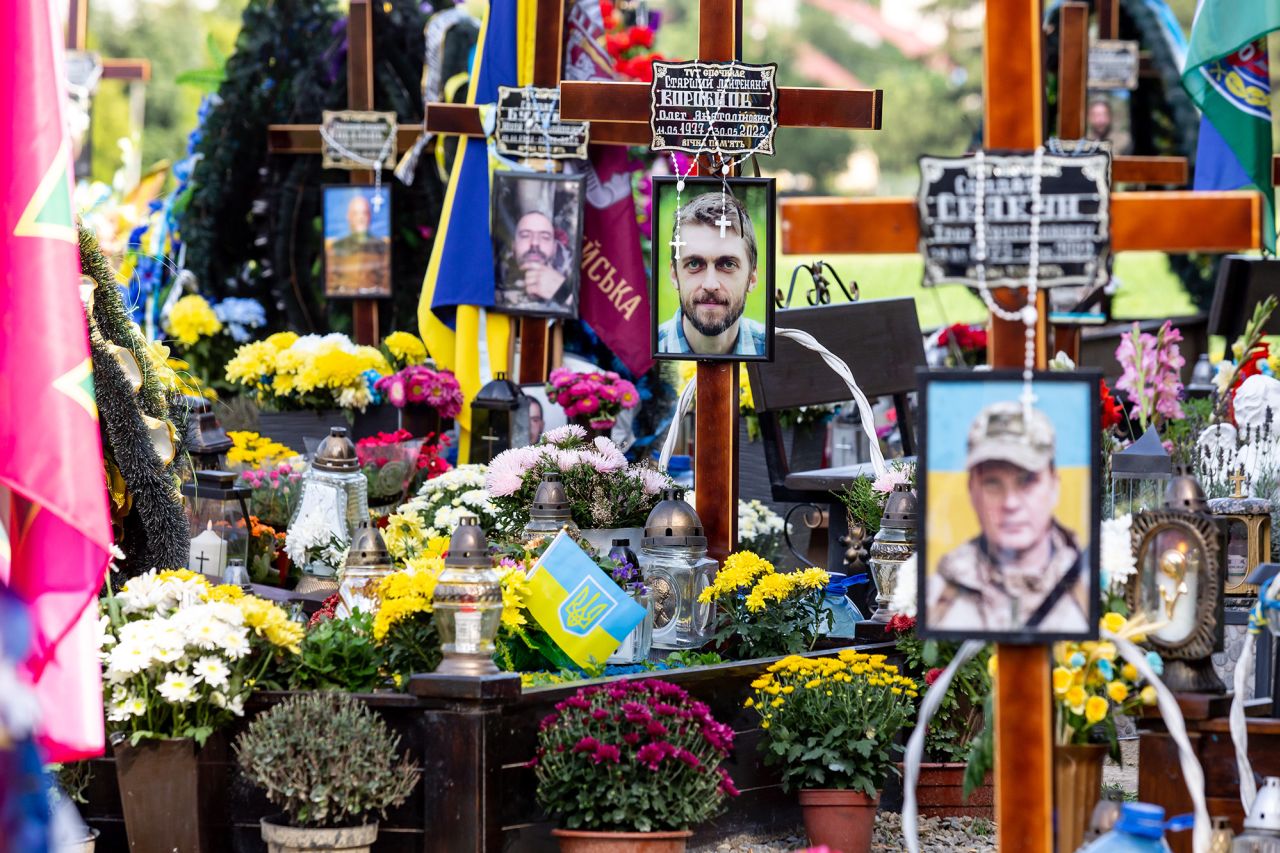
(1024, 571)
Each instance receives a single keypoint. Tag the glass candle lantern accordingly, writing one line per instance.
(1140, 475)
(550, 512)
(368, 562)
(635, 647)
(207, 442)
(1248, 522)
(335, 463)
(218, 515)
(1178, 583)
(1262, 826)
(468, 603)
(493, 418)
(894, 544)
(676, 568)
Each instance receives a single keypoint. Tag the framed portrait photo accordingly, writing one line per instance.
(537, 243)
(357, 241)
(1011, 507)
(537, 414)
(713, 269)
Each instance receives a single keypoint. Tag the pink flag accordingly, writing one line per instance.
(59, 529)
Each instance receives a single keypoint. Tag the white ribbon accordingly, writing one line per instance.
(1239, 731)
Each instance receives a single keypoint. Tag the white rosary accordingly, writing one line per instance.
(374, 165)
(1028, 314)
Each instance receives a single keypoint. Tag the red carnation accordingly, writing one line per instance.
(901, 623)
(932, 675)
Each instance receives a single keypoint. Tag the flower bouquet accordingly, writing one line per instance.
(287, 372)
(265, 546)
(313, 546)
(764, 613)
(759, 529)
(205, 335)
(591, 400)
(389, 461)
(604, 490)
(437, 508)
(632, 756)
(251, 450)
(1091, 687)
(419, 385)
(1151, 377)
(964, 344)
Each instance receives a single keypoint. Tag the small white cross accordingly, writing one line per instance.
(376, 204)
(724, 223)
(676, 244)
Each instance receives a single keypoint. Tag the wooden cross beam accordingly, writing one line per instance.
(112, 69)
(719, 40)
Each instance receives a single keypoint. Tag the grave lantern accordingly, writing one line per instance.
(893, 545)
(1178, 583)
(1262, 826)
(1248, 522)
(676, 568)
(550, 511)
(207, 441)
(1140, 475)
(468, 603)
(218, 515)
(1201, 383)
(368, 562)
(493, 418)
(335, 463)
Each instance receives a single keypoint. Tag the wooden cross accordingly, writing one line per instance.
(719, 40)
(305, 138)
(138, 70)
(1150, 221)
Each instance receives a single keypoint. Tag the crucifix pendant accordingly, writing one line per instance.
(724, 224)
(675, 246)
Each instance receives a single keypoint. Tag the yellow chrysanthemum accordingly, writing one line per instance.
(1062, 680)
(224, 592)
(1113, 622)
(406, 593)
(406, 347)
(739, 570)
(281, 340)
(1148, 696)
(1095, 710)
(404, 535)
(191, 319)
(1118, 691)
(772, 587)
(253, 365)
(1075, 699)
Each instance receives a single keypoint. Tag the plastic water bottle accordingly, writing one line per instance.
(1140, 829)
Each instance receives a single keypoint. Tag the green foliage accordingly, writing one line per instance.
(865, 504)
(959, 719)
(982, 750)
(326, 760)
(692, 657)
(73, 779)
(411, 645)
(637, 756)
(340, 654)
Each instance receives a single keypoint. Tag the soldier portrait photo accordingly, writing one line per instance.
(1010, 496)
(712, 269)
(537, 243)
(357, 241)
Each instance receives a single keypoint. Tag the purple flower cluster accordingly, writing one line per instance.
(597, 397)
(420, 385)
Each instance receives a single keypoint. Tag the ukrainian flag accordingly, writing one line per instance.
(583, 610)
(460, 333)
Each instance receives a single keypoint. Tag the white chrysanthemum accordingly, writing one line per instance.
(177, 687)
(904, 592)
(236, 644)
(139, 594)
(1118, 561)
(128, 658)
(211, 671)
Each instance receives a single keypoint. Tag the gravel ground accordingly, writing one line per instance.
(937, 835)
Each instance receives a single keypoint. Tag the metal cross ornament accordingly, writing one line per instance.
(676, 244)
(724, 223)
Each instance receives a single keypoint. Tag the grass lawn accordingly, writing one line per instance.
(1147, 287)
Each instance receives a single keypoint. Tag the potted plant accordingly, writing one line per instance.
(631, 767)
(830, 725)
(609, 497)
(180, 657)
(331, 788)
(761, 612)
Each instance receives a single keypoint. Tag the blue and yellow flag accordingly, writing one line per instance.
(584, 611)
(460, 334)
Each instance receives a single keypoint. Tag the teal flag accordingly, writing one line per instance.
(1226, 75)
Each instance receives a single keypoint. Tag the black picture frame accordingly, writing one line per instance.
(339, 196)
(565, 197)
(950, 424)
(663, 298)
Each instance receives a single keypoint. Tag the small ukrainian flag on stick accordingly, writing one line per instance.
(584, 611)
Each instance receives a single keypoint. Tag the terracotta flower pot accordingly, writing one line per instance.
(166, 804)
(940, 792)
(1077, 785)
(342, 839)
(585, 841)
(840, 819)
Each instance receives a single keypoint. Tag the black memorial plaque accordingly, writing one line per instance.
(1113, 64)
(359, 132)
(698, 106)
(529, 126)
(1075, 227)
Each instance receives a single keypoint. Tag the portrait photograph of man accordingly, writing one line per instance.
(713, 269)
(537, 243)
(1011, 509)
(357, 241)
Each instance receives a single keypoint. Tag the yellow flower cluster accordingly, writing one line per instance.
(745, 570)
(515, 597)
(257, 451)
(191, 319)
(254, 364)
(780, 587)
(225, 592)
(1088, 681)
(740, 570)
(850, 676)
(405, 347)
(746, 403)
(270, 622)
(285, 365)
(406, 593)
(404, 535)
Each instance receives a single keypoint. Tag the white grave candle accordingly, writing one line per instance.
(208, 554)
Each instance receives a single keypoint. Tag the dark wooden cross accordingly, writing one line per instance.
(305, 138)
(1171, 221)
(138, 70)
(719, 40)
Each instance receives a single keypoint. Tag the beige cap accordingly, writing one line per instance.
(999, 434)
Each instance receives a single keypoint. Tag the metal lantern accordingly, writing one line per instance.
(368, 562)
(335, 463)
(1201, 384)
(493, 418)
(207, 441)
(1262, 826)
(468, 603)
(676, 568)
(893, 545)
(218, 515)
(1178, 582)
(1140, 475)
(550, 512)
(1248, 522)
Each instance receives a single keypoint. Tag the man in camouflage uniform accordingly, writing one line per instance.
(1025, 570)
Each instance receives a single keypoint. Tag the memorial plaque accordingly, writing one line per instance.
(697, 106)
(1075, 226)
(365, 134)
(529, 126)
(1113, 64)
